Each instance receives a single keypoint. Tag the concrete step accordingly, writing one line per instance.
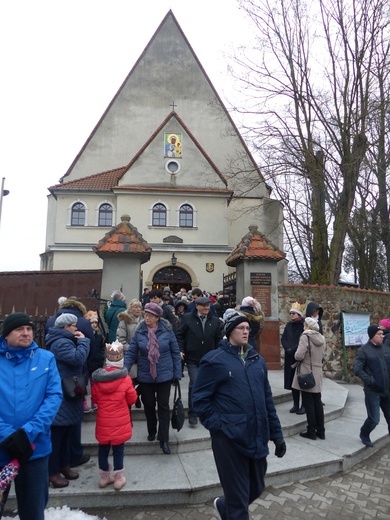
(189, 476)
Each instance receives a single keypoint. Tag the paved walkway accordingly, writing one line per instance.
(363, 493)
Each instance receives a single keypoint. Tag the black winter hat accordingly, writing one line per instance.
(15, 320)
(372, 330)
(231, 319)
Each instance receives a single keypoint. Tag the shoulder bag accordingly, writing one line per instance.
(74, 387)
(306, 381)
(177, 419)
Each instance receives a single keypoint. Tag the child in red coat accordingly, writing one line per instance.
(113, 392)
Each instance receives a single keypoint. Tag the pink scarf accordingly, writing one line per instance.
(153, 351)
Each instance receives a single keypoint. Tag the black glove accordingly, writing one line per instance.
(175, 381)
(18, 446)
(280, 448)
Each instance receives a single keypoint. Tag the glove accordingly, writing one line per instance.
(280, 448)
(18, 446)
(175, 381)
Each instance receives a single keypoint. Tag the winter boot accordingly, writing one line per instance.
(106, 478)
(120, 479)
(57, 481)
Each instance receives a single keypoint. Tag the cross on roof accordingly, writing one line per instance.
(173, 105)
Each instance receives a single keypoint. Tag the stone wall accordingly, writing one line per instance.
(334, 300)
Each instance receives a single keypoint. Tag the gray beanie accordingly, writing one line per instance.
(65, 319)
(231, 319)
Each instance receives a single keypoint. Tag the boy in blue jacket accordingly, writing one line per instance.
(233, 400)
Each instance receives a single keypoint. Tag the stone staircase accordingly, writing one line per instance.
(188, 475)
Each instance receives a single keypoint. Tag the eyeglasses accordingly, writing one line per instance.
(293, 313)
(243, 328)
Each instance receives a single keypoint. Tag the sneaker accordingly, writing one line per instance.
(215, 505)
(88, 409)
(94, 408)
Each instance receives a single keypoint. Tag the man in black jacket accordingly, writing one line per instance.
(372, 365)
(199, 332)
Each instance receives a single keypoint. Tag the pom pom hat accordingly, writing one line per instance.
(231, 319)
(15, 320)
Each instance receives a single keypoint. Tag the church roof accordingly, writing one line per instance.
(109, 179)
(124, 238)
(254, 246)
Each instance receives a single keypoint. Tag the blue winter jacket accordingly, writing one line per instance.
(70, 355)
(30, 390)
(169, 362)
(234, 396)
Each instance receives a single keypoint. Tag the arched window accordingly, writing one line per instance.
(78, 214)
(159, 215)
(105, 215)
(186, 216)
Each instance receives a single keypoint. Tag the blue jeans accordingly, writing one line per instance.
(32, 490)
(375, 403)
(192, 369)
(118, 452)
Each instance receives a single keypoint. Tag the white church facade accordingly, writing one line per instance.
(167, 153)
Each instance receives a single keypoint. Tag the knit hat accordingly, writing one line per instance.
(372, 330)
(153, 308)
(231, 319)
(65, 319)
(114, 354)
(385, 323)
(298, 308)
(167, 289)
(312, 324)
(15, 320)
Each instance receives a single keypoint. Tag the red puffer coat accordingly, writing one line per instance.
(113, 392)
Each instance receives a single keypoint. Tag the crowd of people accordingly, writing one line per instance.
(140, 353)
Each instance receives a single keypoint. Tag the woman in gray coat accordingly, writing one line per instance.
(311, 349)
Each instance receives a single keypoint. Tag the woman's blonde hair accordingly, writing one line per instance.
(134, 303)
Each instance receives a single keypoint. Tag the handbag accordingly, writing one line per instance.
(177, 419)
(74, 387)
(306, 381)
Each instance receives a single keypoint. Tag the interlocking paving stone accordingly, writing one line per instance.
(362, 493)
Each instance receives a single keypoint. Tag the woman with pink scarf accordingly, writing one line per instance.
(156, 351)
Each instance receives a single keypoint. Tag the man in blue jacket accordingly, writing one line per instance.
(30, 389)
(233, 399)
(372, 365)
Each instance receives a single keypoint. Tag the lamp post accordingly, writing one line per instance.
(173, 259)
(3, 193)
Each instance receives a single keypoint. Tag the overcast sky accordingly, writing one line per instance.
(62, 62)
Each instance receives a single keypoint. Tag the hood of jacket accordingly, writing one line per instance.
(70, 305)
(56, 333)
(128, 318)
(16, 352)
(316, 339)
(312, 307)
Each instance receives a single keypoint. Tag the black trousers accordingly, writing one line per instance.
(152, 393)
(60, 453)
(241, 477)
(314, 412)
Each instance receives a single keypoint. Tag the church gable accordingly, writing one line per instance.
(167, 75)
(172, 158)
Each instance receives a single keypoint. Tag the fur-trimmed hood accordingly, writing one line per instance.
(129, 319)
(252, 317)
(74, 303)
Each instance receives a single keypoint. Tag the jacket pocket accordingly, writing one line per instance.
(235, 426)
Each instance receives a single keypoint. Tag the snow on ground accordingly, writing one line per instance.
(62, 513)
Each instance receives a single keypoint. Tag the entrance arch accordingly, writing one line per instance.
(175, 277)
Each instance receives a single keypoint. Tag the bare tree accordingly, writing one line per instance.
(310, 82)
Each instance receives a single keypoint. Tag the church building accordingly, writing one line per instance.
(167, 153)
